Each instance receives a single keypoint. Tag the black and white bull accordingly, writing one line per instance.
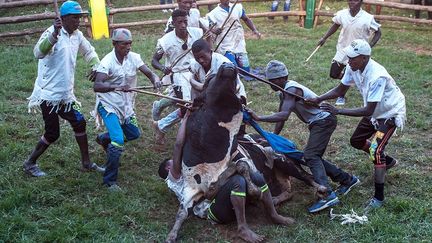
(210, 140)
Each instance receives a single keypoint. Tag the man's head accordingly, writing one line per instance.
(358, 53)
(185, 5)
(277, 73)
(179, 20)
(224, 2)
(122, 41)
(354, 5)
(202, 53)
(70, 13)
(164, 168)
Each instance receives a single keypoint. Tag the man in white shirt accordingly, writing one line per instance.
(356, 24)
(115, 104)
(193, 16)
(53, 91)
(172, 46)
(233, 45)
(384, 110)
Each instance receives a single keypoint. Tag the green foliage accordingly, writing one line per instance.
(68, 205)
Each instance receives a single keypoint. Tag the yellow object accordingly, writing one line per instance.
(99, 20)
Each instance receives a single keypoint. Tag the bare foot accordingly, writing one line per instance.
(279, 219)
(248, 235)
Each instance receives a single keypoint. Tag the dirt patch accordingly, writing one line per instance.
(419, 50)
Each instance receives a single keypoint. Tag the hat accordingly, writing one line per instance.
(358, 47)
(121, 34)
(70, 7)
(276, 69)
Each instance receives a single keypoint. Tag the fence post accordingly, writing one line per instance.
(310, 13)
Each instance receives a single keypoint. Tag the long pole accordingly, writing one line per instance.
(223, 37)
(161, 95)
(313, 53)
(56, 10)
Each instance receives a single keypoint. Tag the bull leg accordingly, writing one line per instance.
(285, 183)
(306, 177)
(222, 179)
(181, 216)
(244, 170)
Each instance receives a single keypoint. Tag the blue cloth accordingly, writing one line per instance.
(278, 143)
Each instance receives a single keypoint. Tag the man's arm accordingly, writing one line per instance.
(279, 125)
(337, 91)
(375, 38)
(368, 110)
(103, 87)
(178, 149)
(154, 79)
(330, 32)
(250, 25)
(156, 61)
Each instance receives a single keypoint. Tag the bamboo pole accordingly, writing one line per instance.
(399, 5)
(161, 95)
(316, 17)
(17, 4)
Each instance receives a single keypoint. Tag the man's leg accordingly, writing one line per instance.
(131, 129)
(52, 133)
(114, 149)
(274, 7)
(287, 7)
(229, 205)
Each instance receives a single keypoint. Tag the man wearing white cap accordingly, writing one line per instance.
(383, 111)
(321, 125)
(53, 91)
(117, 73)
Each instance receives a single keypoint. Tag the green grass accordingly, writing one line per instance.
(71, 206)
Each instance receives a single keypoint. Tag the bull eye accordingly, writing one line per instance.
(197, 178)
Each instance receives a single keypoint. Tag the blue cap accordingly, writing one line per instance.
(70, 7)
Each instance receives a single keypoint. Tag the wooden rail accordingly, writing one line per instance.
(17, 4)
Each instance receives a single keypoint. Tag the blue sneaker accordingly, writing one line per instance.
(344, 189)
(373, 204)
(329, 201)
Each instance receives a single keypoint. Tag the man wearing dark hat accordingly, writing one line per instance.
(321, 126)
(57, 51)
(115, 103)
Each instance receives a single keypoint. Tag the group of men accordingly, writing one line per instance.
(189, 62)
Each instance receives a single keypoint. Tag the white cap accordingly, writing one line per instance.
(358, 47)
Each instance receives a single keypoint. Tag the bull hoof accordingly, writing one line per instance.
(171, 238)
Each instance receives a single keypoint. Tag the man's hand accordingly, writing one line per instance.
(124, 88)
(314, 100)
(252, 114)
(258, 34)
(57, 26)
(91, 75)
(158, 84)
(329, 108)
(216, 31)
(167, 70)
(321, 41)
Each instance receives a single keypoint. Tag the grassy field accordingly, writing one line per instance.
(68, 205)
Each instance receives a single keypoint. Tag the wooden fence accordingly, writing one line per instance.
(300, 13)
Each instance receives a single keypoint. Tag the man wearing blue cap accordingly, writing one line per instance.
(383, 111)
(321, 125)
(57, 51)
(115, 103)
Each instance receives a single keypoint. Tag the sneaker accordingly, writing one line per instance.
(164, 11)
(344, 189)
(114, 188)
(171, 10)
(391, 162)
(99, 141)
(33, 169)
(340, 101)
(159, 135)
(92, 167)
(321, 204)
(373, 204)
(155, 111)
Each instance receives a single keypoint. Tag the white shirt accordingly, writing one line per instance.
(361, 26)
(234, 40)
(217, 60)
(376, 85)
(56, 69)
(193, 20)
(119, 102)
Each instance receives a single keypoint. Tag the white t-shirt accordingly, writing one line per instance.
(361, 26)
(193, 20)
(119, 102)
(376, 85)
(234, 40)
(217, 60)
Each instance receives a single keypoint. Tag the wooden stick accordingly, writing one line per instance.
(16, 4)
(316, 49)
(317, 16)
(229, 14)
(223, 37)
(161, 95)
(150, 87)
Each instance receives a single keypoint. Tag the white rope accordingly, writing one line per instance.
(349, 218)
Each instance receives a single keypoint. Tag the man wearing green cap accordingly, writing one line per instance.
(57, 51)
(321, 126)
(114, 101)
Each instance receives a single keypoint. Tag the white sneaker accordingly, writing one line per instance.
(164, 11)
(340, 101)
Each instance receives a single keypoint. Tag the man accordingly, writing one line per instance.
(206, 64)
(115, 104)
(230, 201)
(356, 24)
(275, 5)
(173, 45)
(384, 110)
(321, 126)
(233, 46)
(193, 15)
(53, 91)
